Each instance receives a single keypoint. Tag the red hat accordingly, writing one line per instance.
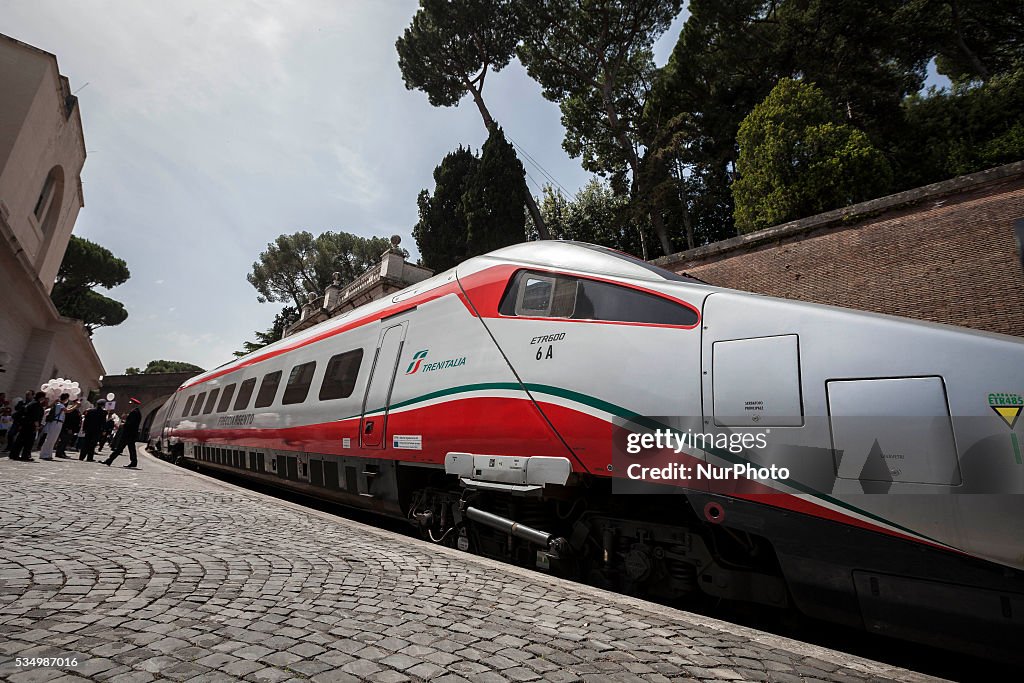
(135, 401)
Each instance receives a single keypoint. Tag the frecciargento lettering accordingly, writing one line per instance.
(244, 419)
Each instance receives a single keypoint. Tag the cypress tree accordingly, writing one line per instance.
(441, 231)
(494, 198)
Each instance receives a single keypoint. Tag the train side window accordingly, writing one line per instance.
(245, 393)
(299, 380)
(605, 301)
(225, 398)
(188, 406)
(199, 403)
(268, 389)
(340, 378)
(211, 401)
(533, 295)
(561, 296)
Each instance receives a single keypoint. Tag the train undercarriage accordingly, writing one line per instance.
(691, 549)
(622, 544)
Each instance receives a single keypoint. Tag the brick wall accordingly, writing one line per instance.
(945, 252)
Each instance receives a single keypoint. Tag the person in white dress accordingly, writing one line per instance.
(52, 427)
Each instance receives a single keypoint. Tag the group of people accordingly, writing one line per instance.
(36, 424)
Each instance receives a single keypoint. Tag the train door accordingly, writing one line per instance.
(373, 425)
(165, 424)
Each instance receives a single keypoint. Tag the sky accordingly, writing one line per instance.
(213, 127)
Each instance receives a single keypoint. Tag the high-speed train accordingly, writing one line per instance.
(565, 406)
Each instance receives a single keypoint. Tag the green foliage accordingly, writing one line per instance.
(155, 367)
(287, 317)
(442, 232)
(93, 309)
(450, 47)
(295, 264)
(797, 159)
(494, 198)
(596, 215)
(477, 205)
(976, 40)
(594, 59)
(962, 131)
(864, 55)
(87, 265)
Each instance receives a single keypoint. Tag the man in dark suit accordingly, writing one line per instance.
(93, 422)
(129, 435)
(31, 420)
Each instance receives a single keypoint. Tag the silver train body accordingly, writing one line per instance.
(501, 407)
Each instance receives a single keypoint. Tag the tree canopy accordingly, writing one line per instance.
(595, 60)
(450, 48)
(494, 198)
(797, 158)
(476, 207)
(87, 265)
(155, 367)
(442, 231)
(868, 58)
(285, 318)
(667, 140)
(293, 265)
(597, 215)
(976, 40)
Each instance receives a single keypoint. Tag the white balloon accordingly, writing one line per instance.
(110, 396)
(74, 385)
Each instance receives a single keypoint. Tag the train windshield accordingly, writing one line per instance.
(548, 295)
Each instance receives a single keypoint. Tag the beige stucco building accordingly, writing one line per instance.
(42, 152)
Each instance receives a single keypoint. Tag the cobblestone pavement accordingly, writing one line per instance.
(163, 573)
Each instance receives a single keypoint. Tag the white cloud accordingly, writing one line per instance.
(213, 127)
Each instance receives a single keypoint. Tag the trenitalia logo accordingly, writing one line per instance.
(417, 360)
(417, 363)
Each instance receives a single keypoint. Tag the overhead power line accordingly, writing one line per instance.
(547, 175)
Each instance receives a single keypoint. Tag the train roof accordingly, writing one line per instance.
(591, 258)
(555, 254)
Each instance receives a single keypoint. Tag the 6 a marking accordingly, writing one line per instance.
(545, 355)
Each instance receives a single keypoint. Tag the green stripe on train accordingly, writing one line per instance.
(640, 420)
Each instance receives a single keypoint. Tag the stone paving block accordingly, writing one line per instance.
(335, 677)
(388, 677)
(361, 667)
(206, 581)
(309, 667)
(269, 675)
(241, 667)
